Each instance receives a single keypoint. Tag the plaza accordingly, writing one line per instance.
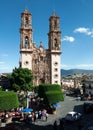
(69, 104)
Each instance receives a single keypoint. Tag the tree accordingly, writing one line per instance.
(21, 79)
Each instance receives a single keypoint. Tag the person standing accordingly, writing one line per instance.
(55, 125)
(46, 116)
(0, 121)
(62, 124)
(34, 118)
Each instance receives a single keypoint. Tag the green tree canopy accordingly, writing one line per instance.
(21, 79)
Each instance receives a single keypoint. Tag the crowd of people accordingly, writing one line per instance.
(34, 116)
(28, 117)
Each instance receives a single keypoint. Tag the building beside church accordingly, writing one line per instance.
(44, 63)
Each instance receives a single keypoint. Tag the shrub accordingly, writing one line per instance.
(8, 100)
(51, 93)
(53, 97)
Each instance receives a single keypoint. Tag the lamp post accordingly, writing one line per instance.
(27, 100)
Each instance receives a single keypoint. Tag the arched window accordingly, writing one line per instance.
(26, 21)
(55, 42)
(55, 24)
(26, 40)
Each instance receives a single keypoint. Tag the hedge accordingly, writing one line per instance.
(8, 100)
(54, 97)
(47, 87)
(51, 93)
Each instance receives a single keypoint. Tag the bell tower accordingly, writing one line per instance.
(26, 43)
(54, 44)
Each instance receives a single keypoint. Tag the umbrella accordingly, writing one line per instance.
(26, 110)
(56, 105)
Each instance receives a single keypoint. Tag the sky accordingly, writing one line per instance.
(76, 25)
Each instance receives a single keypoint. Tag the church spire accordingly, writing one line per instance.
(54, 14)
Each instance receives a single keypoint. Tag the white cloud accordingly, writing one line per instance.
(5, 69)
(85, 65)
(78, 66)
(86, 31)
(63, 66)
(1, 62)
(68, 38)
(3, 55)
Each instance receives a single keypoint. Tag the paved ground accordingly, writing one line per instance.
(69, 104)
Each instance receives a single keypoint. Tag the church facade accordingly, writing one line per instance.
(44, 63)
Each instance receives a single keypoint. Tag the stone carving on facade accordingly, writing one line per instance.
(39, 60)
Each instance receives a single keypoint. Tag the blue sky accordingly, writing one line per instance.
(76, 23)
